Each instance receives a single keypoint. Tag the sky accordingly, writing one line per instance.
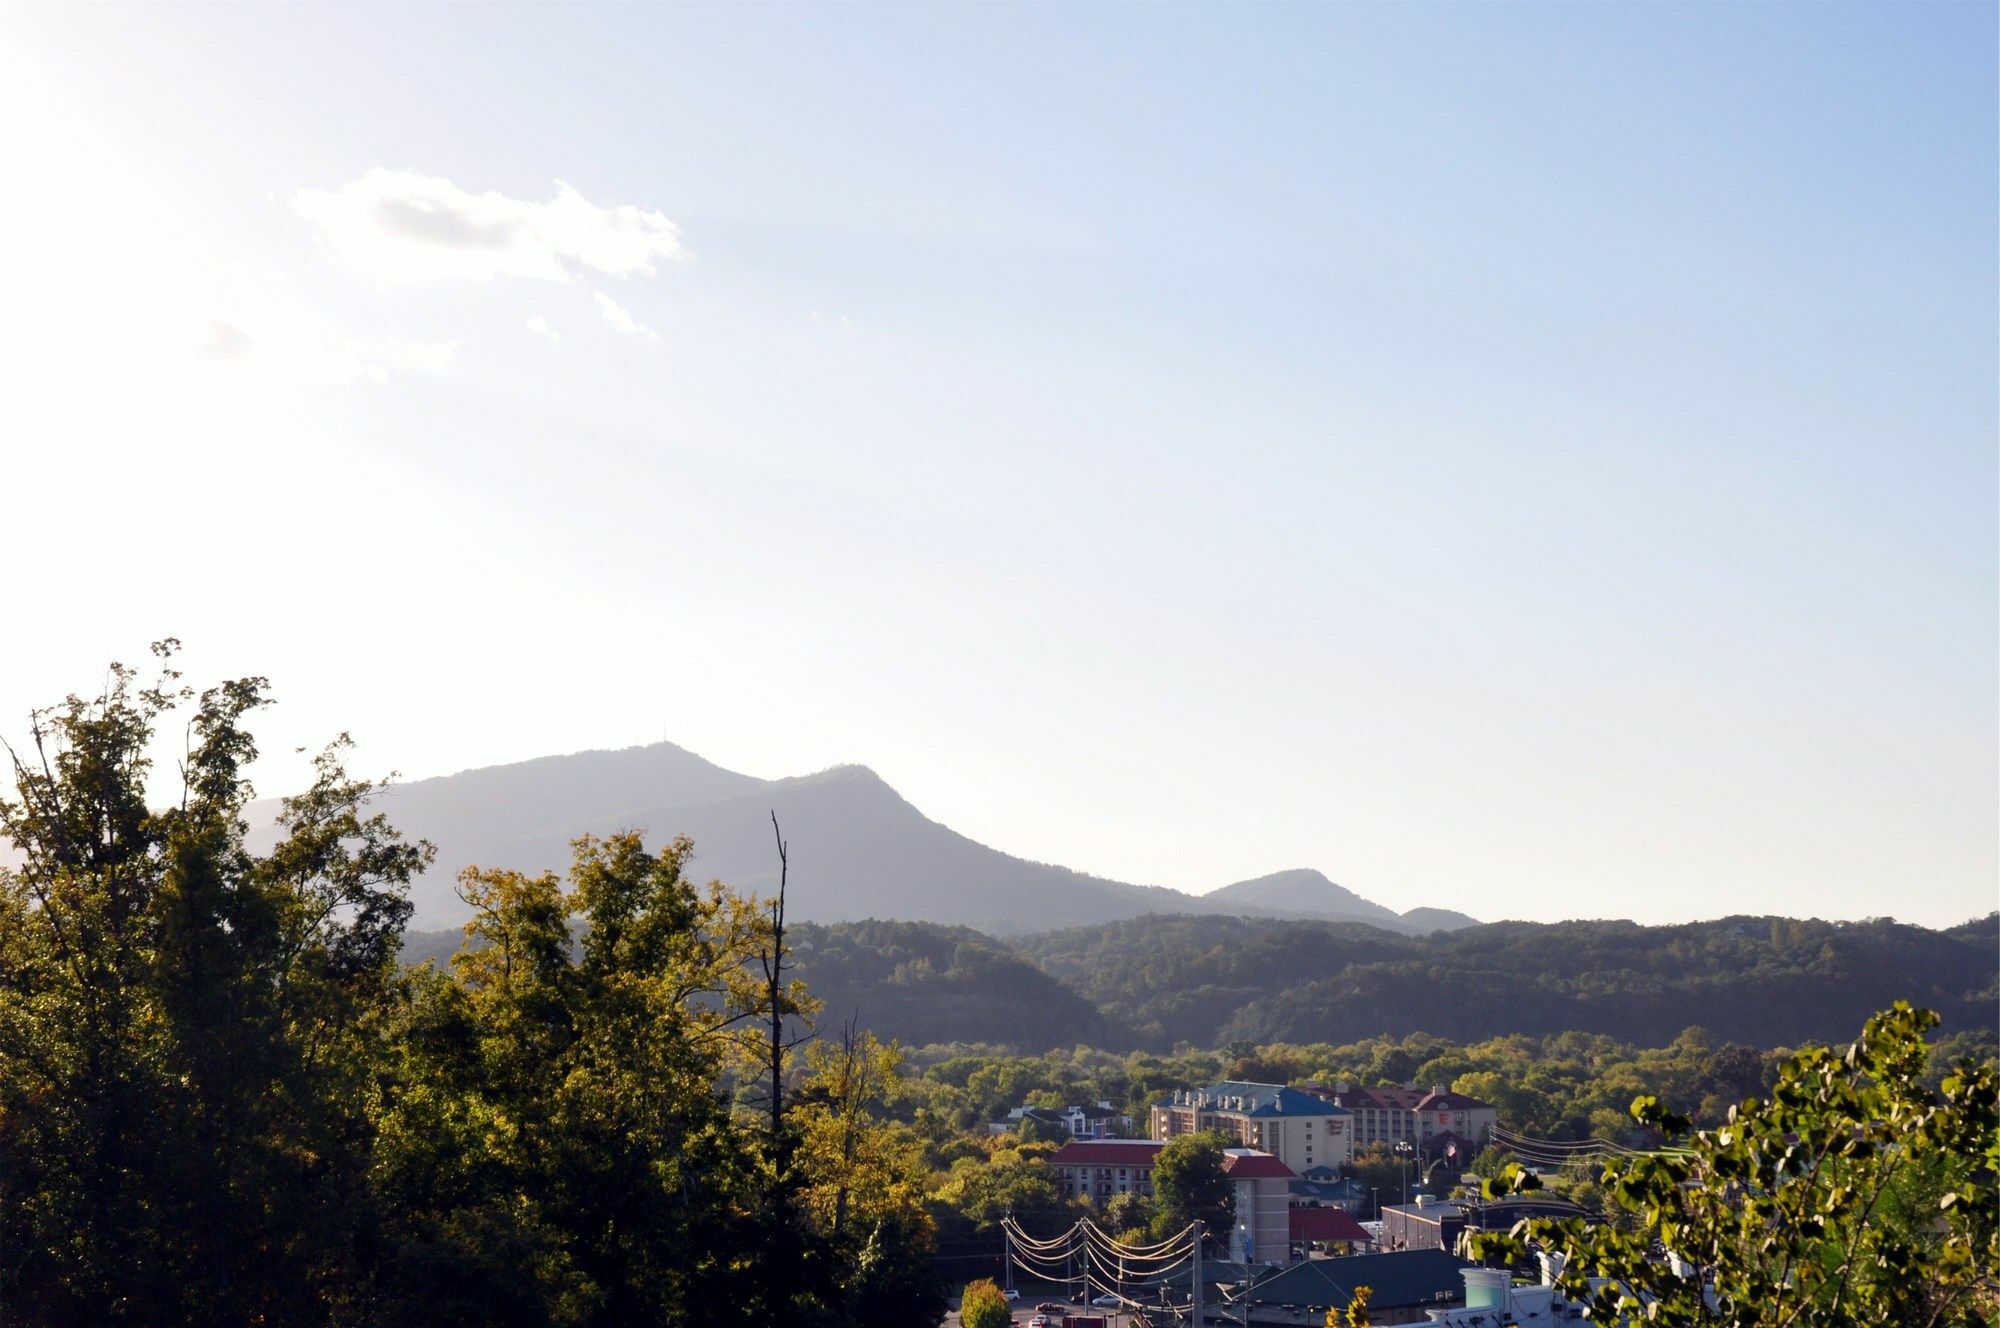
(1532, 460)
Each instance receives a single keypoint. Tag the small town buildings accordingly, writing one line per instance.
(1443, 1125)
(1431, 1223)
(1325, 1187)
(1493, 1297)
(1083, 1121)
(1326, 1226)
(1427, 1224)
(1299, 1129)
(1100, 1169)
(1263, 1200)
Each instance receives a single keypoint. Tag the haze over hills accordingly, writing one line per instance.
(858, 849)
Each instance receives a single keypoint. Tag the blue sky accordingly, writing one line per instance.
(1537, 460)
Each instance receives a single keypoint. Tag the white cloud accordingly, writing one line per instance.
(621, 318)
(540, 327)
(402, 226)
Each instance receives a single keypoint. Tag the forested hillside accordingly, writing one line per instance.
(1762, 981)
(923, 983)
(1160, 982)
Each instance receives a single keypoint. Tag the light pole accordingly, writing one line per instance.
(1405, 1150)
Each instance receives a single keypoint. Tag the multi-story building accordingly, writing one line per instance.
(1263, 1206)
(1299, 1129)
(1098, 1169)
(1435, 1120)
(1101, 1169)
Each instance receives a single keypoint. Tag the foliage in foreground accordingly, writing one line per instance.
(223, 1101)
(1852, 1195)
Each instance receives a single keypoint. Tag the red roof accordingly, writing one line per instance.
(1242, 1164)
(1107, 1153)
(1325, 1224)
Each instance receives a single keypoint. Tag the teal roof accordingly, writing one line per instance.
(1266, 1100)
(1291, 1102)
(1348, 1190)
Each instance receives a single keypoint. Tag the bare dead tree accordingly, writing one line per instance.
(774, 981)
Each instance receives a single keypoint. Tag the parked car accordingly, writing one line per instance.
(1039, 1321)
(1051, 1307)
(1108, 1301)
(1011, 1294)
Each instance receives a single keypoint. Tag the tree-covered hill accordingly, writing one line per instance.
(920, 983)
(1155, 983)
(915, 982)
(1762, 981)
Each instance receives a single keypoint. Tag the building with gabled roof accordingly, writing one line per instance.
(1078, 1120)
(1325, 1187)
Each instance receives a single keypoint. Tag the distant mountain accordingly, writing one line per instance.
(1422, 921)
(859, 850)
(1301, 890)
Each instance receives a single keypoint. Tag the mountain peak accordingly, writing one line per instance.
(861, 849)
(1299, 890)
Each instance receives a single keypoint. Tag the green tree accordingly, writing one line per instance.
(186, 1025)
(1189, 1186)
(1013, 1177)
(983, 1306)
(554, 1149)
(1855, 1195)
(862, 1181)
(1130, 1215)
(1381, 1171)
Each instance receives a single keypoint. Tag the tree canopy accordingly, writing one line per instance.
(1854, 1194)
(224, 1101)
(1189, 1186)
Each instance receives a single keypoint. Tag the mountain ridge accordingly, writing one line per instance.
(860, 850)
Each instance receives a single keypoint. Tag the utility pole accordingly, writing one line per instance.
(1007, 1249)
(1194, 1280)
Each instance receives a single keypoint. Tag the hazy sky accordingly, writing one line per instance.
(1532, 460)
